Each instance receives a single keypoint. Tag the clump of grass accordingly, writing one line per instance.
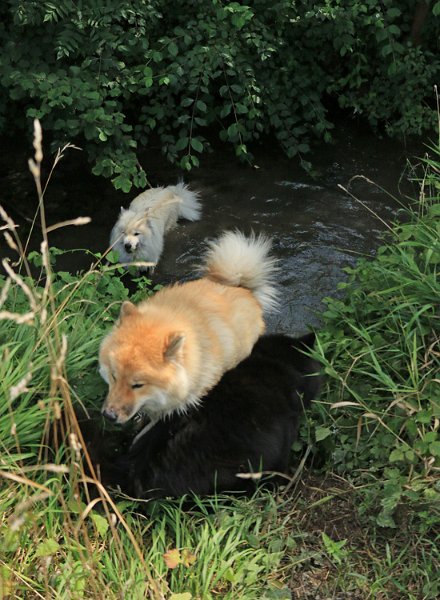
(379, 418)
(49, 328)
(337, 554)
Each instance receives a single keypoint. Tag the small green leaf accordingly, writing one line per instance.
(434, 210)
(385, 520)
(181, 143)
(240, 150)
(101, 523)
(396, 455)
(47, 548)
(232, 130)
(197, 145)
(394, 12)
(229, 575)
(253, 541)
(434, 448)
(173, 49)
(321, 433)
(225, 110)
(241, 108)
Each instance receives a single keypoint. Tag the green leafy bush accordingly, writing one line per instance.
(380, 349)
(116, 76)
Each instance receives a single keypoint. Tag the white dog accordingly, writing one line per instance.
(138, 234)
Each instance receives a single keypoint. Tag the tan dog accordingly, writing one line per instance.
(166, 353)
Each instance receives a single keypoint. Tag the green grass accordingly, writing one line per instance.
(360, 520)
(380, 349)
(343, 554)
(224, 551)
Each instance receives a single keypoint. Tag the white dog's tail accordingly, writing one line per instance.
(239, 261)
(189, 207)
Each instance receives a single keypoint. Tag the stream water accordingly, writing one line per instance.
(317, 228)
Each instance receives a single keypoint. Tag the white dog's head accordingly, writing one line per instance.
(136, 237)
(134, 229)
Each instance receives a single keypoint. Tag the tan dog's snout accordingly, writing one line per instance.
(115, 408)
(116, 414)
(110, 414)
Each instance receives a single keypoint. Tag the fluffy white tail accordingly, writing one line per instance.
(239, 261)
(189, 208)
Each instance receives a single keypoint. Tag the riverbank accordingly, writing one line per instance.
(359, 517)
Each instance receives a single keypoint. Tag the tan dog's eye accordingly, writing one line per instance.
(137, 233)
(137, 385)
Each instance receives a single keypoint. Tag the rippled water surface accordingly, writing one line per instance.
(317, 227)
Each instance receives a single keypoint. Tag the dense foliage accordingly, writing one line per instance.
(115, 76)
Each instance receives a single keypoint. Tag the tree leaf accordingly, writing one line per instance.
(197, 145)
(181, 143)
(173, 49)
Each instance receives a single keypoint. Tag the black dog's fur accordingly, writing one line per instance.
(247, 423)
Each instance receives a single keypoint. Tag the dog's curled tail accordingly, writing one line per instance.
(189, 207)
(239, 261)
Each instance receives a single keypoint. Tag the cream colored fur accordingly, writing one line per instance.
(138, 234)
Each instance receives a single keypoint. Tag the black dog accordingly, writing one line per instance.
(246, 424)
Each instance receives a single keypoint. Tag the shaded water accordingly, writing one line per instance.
(317, 228)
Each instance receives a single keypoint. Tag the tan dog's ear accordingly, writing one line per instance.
(127, 309)
(173, 346)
